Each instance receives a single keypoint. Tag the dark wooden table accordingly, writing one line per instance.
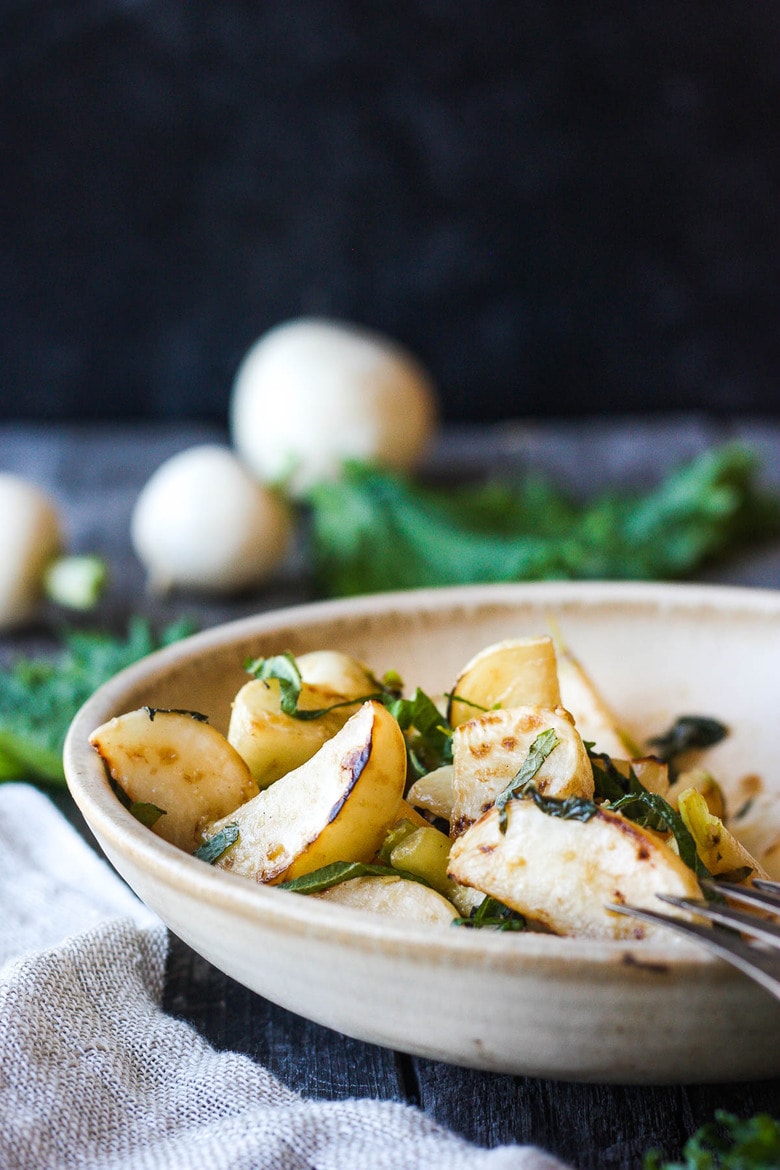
(96, 472)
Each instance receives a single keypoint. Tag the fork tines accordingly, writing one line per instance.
(725, 915)
(758, 959)
(762, 893)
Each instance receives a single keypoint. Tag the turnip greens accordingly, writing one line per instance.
(373, 531)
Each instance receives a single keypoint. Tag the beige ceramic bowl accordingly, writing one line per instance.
(529, 1003)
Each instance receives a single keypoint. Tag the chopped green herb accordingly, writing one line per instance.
(148, 814)
(568, 808)
(392, 683)
(538, 752)
(650, 810)
(211, 850)
(609, 782)
(341, 871)
(491, 914)
(628, 796)
(624, 794)
(40, 696)
(373, 531)
(196, 715)
(144, 811)
(284, 669)
(428, 734)
(727, 1143)
(452, 697)
(688, 732)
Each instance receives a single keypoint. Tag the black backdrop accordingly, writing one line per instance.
(562, 208)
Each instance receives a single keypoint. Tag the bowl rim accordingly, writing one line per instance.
(290, 912)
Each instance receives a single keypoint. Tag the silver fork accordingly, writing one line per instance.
(725, 938)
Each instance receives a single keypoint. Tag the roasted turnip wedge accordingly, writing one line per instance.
(705, 783)
(564, 872)
(433, 792)
(336, 671)
(176, 763)
(488, 752)
(652, 774)
(516, 672)
(595, 721)
(335, 807)
(394, 897)
(273, 743)
(719, 849)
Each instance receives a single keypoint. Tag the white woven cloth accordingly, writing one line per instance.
(94, 1075)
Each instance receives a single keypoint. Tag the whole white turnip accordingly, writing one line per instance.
(202, 522)
(312, 393)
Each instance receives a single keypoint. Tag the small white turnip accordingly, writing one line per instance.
(312, 393)
(202, 522)
(30, 540)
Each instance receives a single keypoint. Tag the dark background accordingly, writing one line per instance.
(561, 208)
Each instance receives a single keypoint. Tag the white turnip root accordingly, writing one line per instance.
(312, 393)
(32, 566)
(30, 540)
(202, 522)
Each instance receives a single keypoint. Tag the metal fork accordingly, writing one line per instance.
(759, 959)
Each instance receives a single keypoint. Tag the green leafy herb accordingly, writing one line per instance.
(491, 914)
(651, 811)
(148, 814)
(40, 696)
(608, 781)
(211, 850)
(568, 808)
(392, 683)
(145, 812)
(686, 733)
(453, 697)
(538, 752)
(374, 531)
(284, 669)
(613, 787)
(342, 871)
(196, 715)
(728, 1143)
(628, 796)
(428, 734)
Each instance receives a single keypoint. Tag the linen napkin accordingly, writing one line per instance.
(95, 1076)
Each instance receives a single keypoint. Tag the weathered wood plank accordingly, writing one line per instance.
(591, 1127)
(310, 1059)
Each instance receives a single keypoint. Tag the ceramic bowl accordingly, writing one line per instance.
(527, 1003)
